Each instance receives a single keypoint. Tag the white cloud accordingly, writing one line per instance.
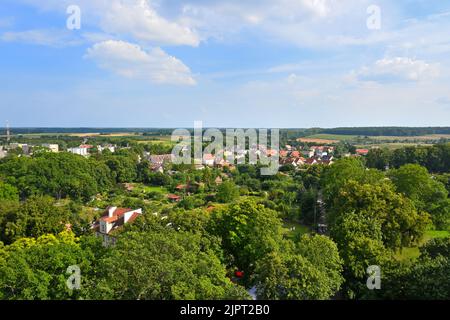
(131, 61)
(135, 18)
(398, 69)
(141, 21)
(320, 7)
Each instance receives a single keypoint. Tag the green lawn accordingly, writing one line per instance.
(140, 187)
(300, 229)
(414, 252)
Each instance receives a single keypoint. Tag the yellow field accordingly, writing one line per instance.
(96, 134)
(317, 140)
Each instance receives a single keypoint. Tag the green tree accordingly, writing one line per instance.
(311, 271)
(248, 230)
(35, 269)
(8, 192)
(227, 192)
(427, 193)
(37, 216)
(165, 265)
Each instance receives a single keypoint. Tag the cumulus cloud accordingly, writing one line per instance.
(131, 61)
(398, 69)
(134, 18)
(141, 21)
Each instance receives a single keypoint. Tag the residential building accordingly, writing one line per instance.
(160, 159)
(173, 197)
(3, 153)
(362, 152)
(53, 147)
(109, 147)
(112, 219)
(80, 151)
(209, 160)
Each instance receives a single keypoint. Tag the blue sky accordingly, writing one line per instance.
(253, 63)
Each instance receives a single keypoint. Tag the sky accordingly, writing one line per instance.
(234, 63)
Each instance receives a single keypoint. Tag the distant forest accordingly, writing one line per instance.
(359, 131)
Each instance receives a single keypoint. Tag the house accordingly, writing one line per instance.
(3, 153)
(82, 150)
(173, 197)
(79, 151)
(209, 160)
(362, 152)
(112, 219)
(283, 153)
(160, 159)
(288, 161)
(52, 147)
(109, 147)
(128, 186)
(311, 161)
(157, 168)
(300, 161)
(271, 152)
(295, 154)
(218, 180)
(26, 149)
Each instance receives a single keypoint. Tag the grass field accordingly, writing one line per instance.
(391, 146)
(414, 252)
(390, 142)
(298, 231)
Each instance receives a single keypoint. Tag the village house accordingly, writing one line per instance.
(112, 219)
(362, 152)
(109, 147)
(3, 153)
(209, 160)
(173, 197)
(82, 150)
(160, 159)
(52, 147)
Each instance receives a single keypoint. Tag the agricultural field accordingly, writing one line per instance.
(390, 142)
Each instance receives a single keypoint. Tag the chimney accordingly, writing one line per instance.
(111, 211)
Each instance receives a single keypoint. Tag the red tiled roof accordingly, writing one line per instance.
(109, 219)
(133, 217)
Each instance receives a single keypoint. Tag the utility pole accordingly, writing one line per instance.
(8, 132)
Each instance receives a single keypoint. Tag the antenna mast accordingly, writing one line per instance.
(8, 132)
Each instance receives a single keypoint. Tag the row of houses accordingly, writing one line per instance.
(82, 150)
(314, 155)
